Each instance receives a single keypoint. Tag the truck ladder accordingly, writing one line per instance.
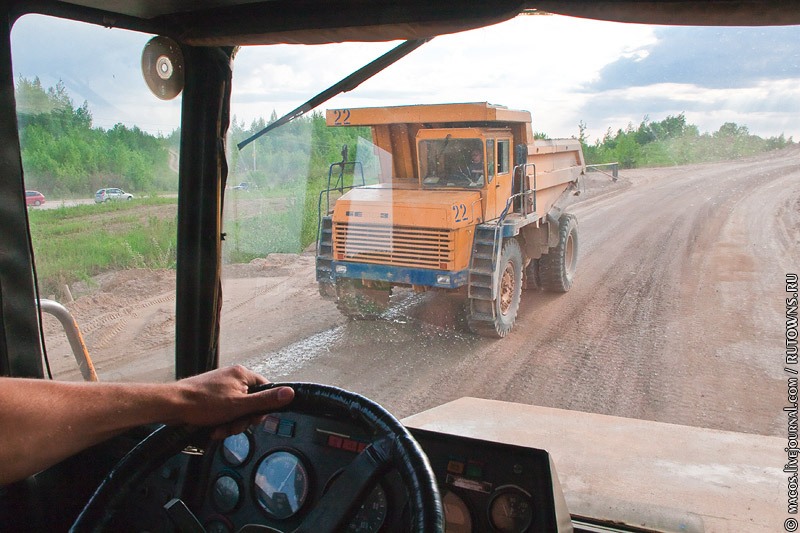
(481, 285)
(324, 263)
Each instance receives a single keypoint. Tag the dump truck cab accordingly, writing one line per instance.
(468, 158)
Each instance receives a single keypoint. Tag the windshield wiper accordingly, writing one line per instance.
(346, 84)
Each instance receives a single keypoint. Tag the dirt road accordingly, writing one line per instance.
(676, 315)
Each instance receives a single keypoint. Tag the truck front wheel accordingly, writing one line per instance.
(496, 318)
(557, 267)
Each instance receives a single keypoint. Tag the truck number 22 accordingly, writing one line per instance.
(341, 117)
(461, 212)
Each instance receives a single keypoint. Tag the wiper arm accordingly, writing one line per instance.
(346, 84)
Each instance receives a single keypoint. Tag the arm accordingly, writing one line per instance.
(43, 422)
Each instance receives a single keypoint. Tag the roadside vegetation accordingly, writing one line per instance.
(64, 156)
(673, 141)
(75, 243)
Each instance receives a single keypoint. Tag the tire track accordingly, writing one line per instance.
(639, 334)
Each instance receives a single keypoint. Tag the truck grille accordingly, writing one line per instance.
(387, 245)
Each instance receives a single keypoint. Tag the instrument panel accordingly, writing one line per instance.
(275, 472)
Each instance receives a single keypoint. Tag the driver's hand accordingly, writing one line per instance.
(220, 398)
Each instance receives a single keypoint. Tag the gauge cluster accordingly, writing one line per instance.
(276, 472)
(491, 487)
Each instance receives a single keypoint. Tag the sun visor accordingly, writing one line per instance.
(381, 33)
(261, 27)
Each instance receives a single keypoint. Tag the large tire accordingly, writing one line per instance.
(557, 267)
(509, 292)
(356, 301)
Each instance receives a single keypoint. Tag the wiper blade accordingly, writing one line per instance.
(346, 84)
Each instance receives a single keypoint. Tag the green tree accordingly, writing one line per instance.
(62, 153)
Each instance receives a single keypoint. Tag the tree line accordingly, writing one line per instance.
(673, 141)
(65, 155)
(295, 153)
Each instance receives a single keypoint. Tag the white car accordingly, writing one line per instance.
(111, 193)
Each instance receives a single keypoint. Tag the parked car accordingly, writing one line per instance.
(111, 193)
(34, 198)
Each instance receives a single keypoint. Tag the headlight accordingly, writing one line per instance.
(341, 269)
(442, 279)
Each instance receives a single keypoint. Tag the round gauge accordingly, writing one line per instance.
(281, 484)
(370, 516)
(457, 518)
(226, 493)
(511, 510)
(236, 449)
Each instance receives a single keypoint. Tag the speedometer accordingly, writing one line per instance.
(281, 484)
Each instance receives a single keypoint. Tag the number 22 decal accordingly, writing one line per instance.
(341, 117)
(461, 212)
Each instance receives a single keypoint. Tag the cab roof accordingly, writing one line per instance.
(242, 22)
(474, 112)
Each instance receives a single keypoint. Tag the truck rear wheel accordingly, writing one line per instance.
(496, 318)
(557, 267)
(356, 301)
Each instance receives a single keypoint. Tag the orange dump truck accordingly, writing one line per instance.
(467, 201)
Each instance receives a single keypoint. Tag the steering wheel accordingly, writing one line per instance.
(393, 447)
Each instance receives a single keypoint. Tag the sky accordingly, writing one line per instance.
(565, 71)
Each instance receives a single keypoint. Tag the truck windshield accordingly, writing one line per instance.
(452, 162)
(660, 280)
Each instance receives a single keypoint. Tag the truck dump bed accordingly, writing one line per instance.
(551, 165)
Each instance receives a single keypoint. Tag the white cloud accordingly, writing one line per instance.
(533, 63)
(553, 66)
(768, 108)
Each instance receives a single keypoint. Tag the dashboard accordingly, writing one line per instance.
(274, 473)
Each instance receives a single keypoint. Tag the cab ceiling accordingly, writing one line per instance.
(242, 22)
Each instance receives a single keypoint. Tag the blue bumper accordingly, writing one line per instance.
(400, 275)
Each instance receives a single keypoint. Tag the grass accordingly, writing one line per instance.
(288, 230)
(76, 243)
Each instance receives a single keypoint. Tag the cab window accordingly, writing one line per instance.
(490, 159)
(111, 264)
(503, 156)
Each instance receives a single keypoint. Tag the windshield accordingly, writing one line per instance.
(452, 163)
(631, 251)
(676, 277)
(103, 153)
